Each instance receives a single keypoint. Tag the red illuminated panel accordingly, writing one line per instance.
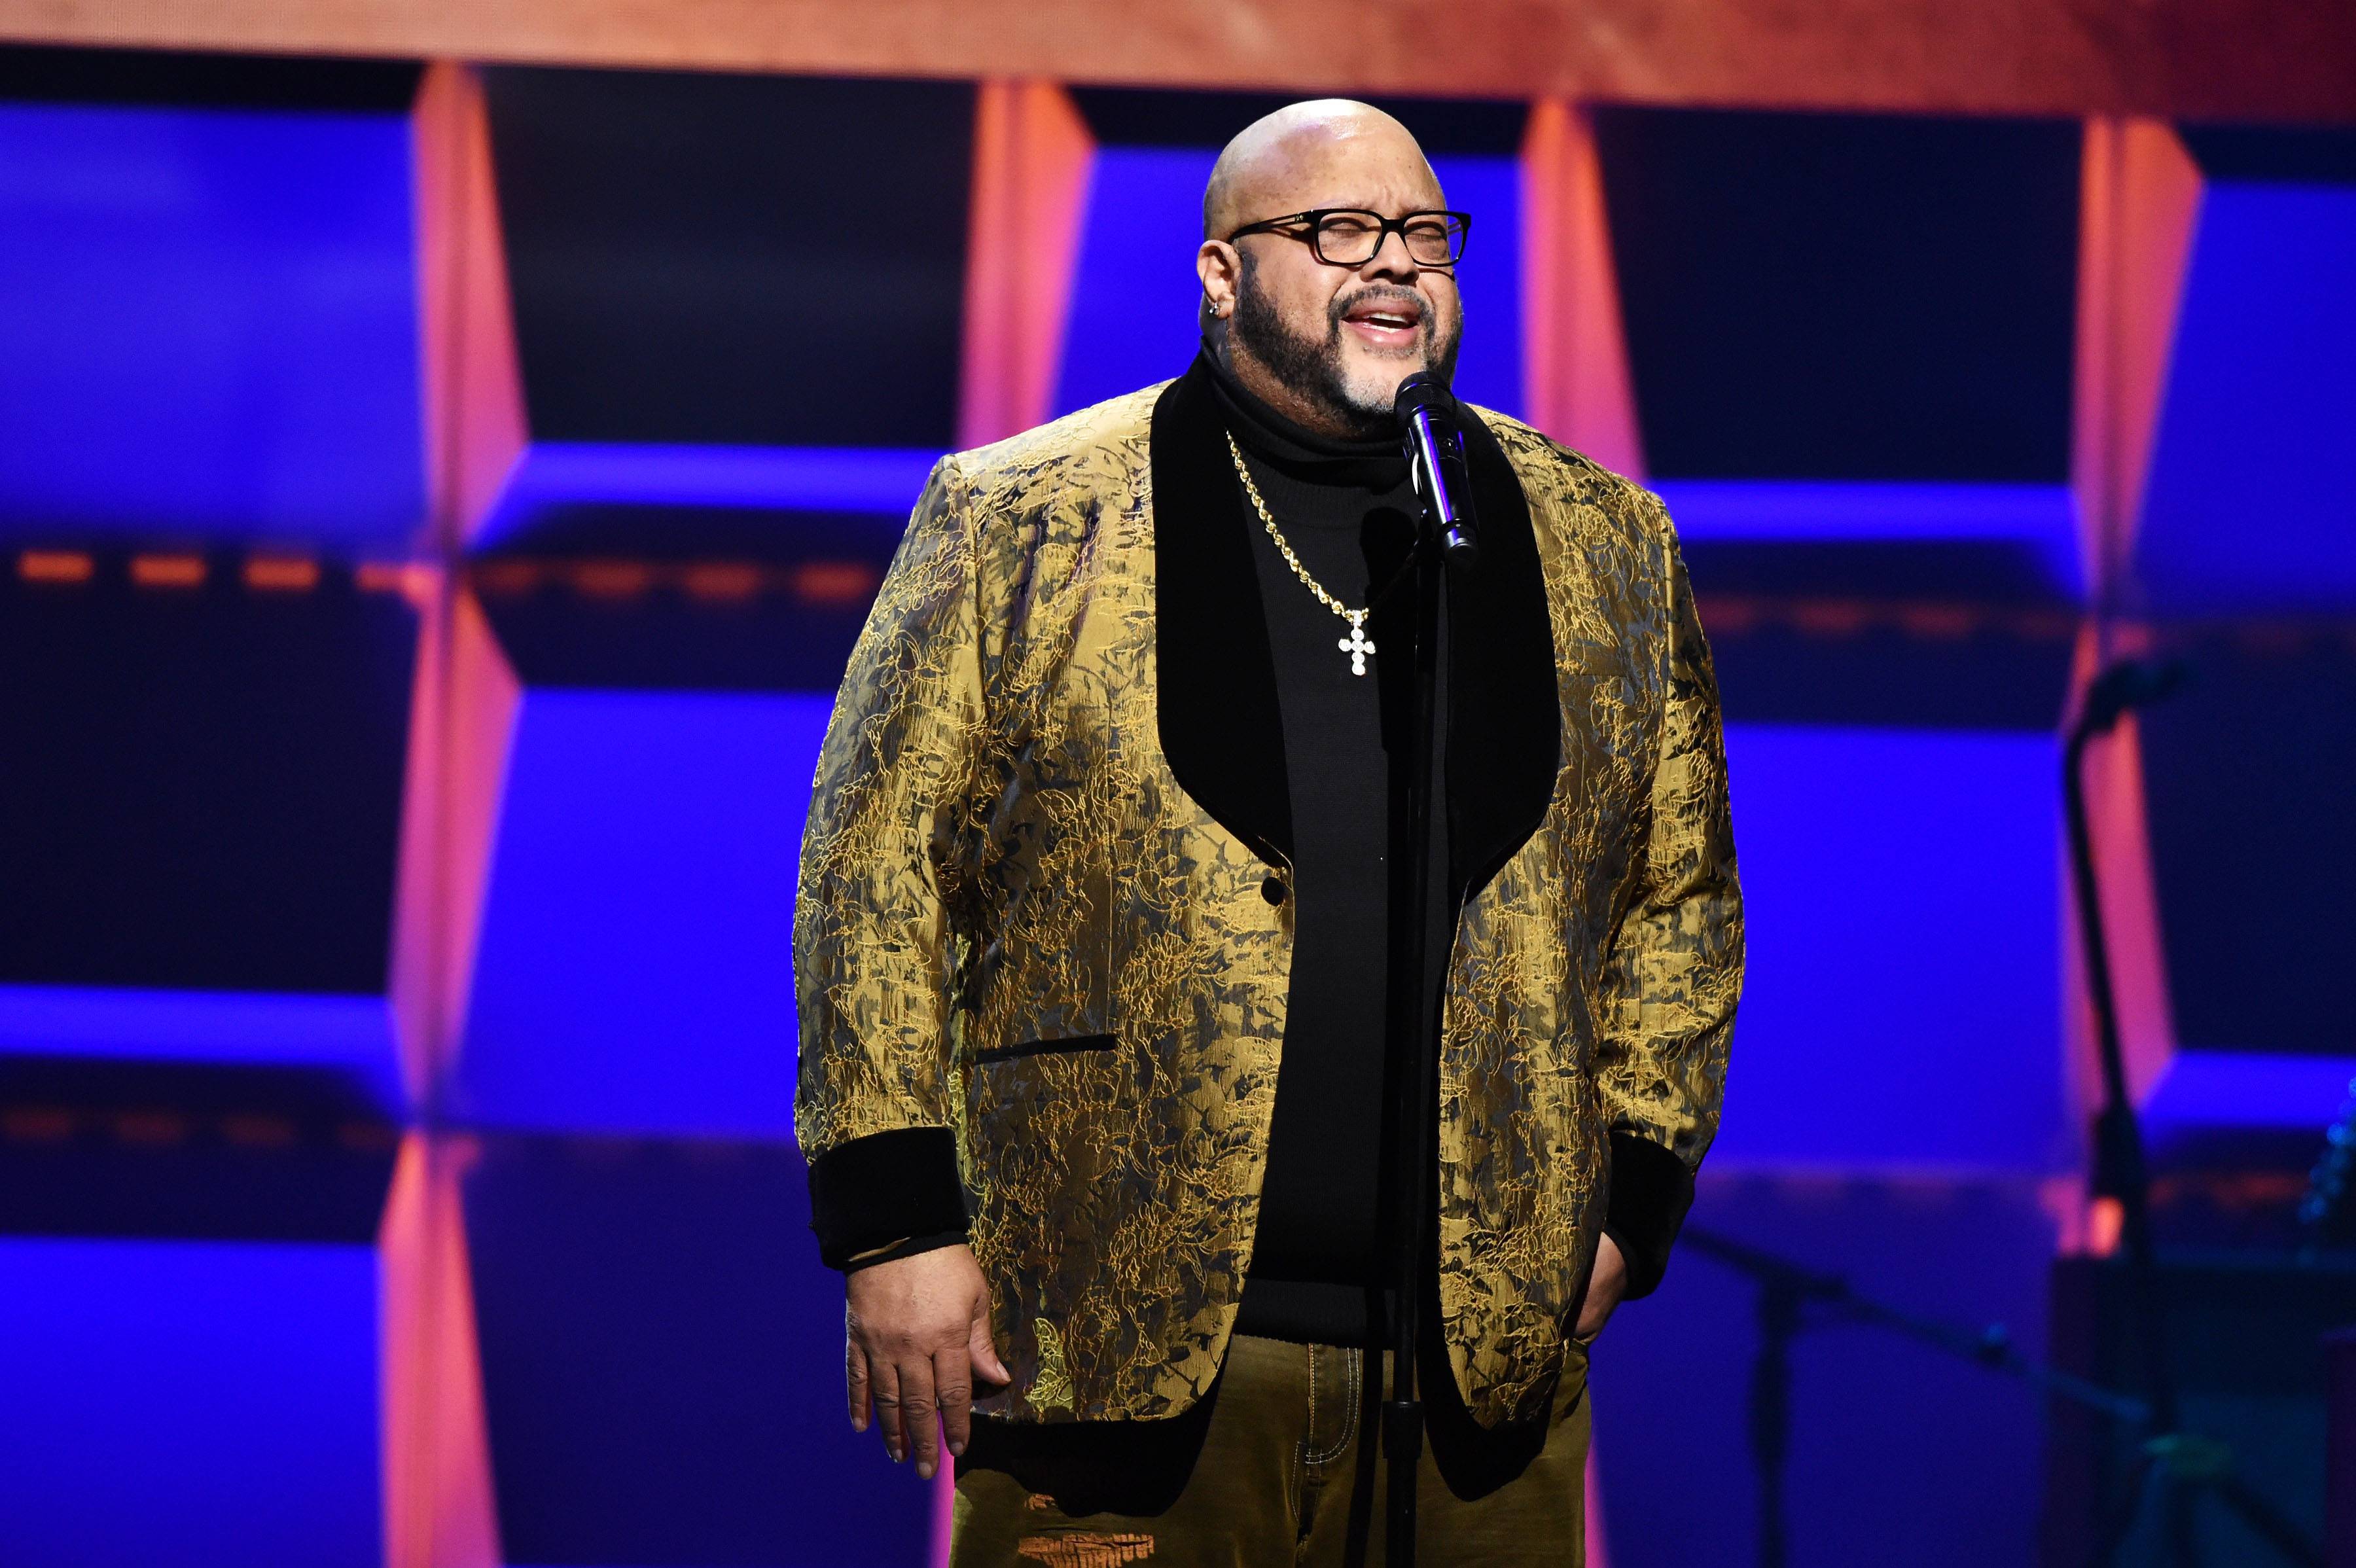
(439, 1508)
(54, 566)
(282, 574)
(1575, 356)
(1030, 153)
(167, 571)
(474, 426)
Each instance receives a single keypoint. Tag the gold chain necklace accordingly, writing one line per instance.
(1356, 645)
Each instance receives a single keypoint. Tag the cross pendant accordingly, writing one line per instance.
(1356, 645)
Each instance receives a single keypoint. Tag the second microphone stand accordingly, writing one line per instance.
(2173, 1465)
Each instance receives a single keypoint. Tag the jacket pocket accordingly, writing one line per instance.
(1046, 1047)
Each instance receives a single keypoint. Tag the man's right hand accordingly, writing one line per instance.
(917, 1334)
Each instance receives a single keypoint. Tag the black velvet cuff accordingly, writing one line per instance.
(1650, 1190)
(887, 1190)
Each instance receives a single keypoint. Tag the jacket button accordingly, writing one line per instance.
(1272, 890)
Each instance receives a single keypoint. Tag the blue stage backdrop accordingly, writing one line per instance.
(396, 1026)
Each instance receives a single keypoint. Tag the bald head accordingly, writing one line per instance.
(1324, 343)
(1302, 155)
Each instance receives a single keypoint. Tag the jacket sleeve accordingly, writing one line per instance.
(1672, 977)
(880, 872)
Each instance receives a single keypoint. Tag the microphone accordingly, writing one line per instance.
(1435, 457)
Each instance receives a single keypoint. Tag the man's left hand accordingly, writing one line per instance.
(1607, 1279)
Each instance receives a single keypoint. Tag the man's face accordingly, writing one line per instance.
(1339, 338)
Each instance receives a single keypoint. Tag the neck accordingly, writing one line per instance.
(1373, 462)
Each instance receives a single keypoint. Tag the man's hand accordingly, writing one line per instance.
(917, 1332)
(1607, 1279)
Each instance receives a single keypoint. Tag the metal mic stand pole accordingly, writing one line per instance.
(1445, 535)
(2119, 1170)
(1412, 1048)
(1770, 1412)
(2180, 1465)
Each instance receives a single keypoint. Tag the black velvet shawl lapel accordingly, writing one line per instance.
(1503, 707)
(1222, 733)
(1215, 675)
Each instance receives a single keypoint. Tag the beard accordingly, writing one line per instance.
(1317, 370)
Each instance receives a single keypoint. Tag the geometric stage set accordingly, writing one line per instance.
(437, 497)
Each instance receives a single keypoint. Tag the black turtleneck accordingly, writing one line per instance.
(1346, 509)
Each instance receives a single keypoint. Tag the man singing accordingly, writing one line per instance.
(1090, 945)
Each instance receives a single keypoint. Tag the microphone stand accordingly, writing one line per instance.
(1412, 1047)
(2177, 1464)
(1785, 1290)
(1444, 534)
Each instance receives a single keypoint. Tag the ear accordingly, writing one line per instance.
(1220, 268)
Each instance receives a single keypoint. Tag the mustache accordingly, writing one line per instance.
(1380, 294)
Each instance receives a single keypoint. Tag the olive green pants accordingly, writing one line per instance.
(1282, 1463)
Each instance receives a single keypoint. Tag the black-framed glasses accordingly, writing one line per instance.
(1349, 236)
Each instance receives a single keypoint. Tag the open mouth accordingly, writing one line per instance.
(1386, 324)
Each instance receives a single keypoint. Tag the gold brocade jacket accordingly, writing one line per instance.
(1041, 950)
